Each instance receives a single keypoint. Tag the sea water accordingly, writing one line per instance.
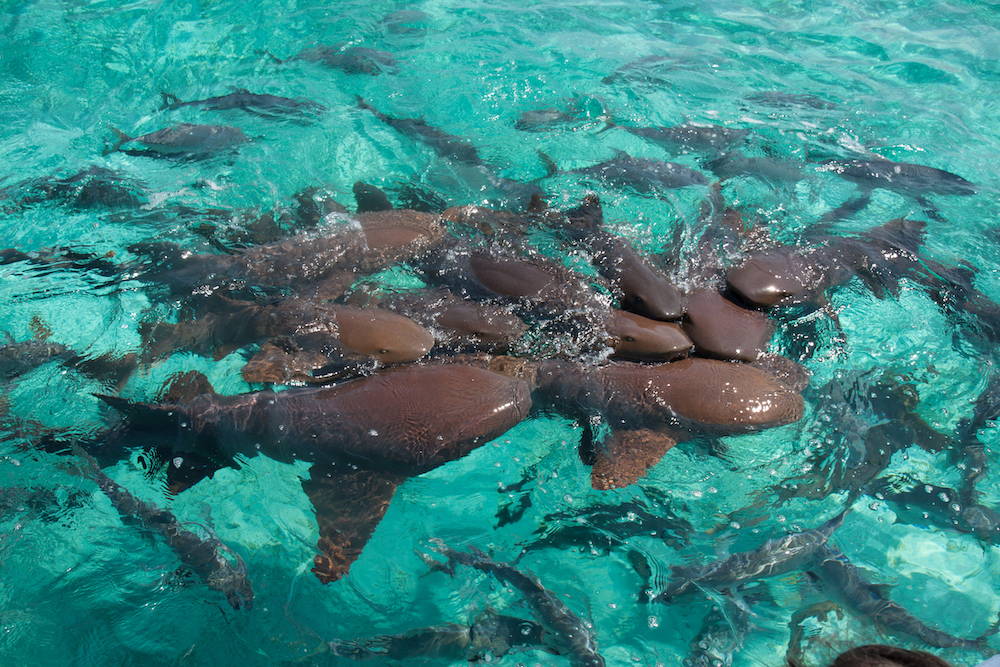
(913, 82)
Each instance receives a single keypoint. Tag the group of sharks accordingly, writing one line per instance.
(390, 384)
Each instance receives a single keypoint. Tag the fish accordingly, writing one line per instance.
(19, 358)
(185, 140)
(363, 437)
(643, 174)
(408, 22)
(370, 198)
(540, 120)
(345, 337)
(318, 263)
(203, 556)
(566, 315)
(234, 230)
(649, 408)
(692, 136)
(974, 461)
(846, 583)
(353, 59)
(566, 632)
(722, 633)
(785, 275)
(444, 144)
(922, 504)
(92, 188)
(575, 110)
(639, 286)
(602, 526)
(491, 636)
(460, 325)
(903, 177)
(780, 99)
(720, 329)
(777, 556)
(871, 417)
(242, 98)
(772, 170)
(642, 339)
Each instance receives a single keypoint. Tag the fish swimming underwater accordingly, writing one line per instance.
(313, 264)
(643, 175)
(353, 59)
(723, 632)
(490, 636)
(92, 188)
(565, 631)
(444, 144)
(769, 169)
(914, 180)
(344, 338)
(649, 408)
(903, 177)
(241, 98)
(635, 282)
(777, 556)
(186, 140)
(202, 556)
(692, 137)
(880, 257)
(722, 330)
(845, 583)
(363, 437)
(781, 99)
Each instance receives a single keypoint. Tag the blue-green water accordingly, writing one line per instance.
(914, 82)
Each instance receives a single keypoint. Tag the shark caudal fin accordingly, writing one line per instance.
(170, 101)
(120, 138)
(834, 523)
(144, 416)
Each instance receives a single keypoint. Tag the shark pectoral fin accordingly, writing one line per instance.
(625, 456)
(349, 504)
(188, 468)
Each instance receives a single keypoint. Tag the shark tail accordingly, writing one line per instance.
(834, 523)
(276, 59)
(551, 168)
(120, 138)
(367, 107)
(170, 101)
(144, 416)
(107, 368)
(989, 632)
(448, 567)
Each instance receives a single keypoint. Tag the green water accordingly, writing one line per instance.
(914, 82)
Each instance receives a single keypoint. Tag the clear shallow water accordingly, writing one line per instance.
(915, 82)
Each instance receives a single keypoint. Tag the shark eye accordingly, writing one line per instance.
(383, 351)
(629, 339)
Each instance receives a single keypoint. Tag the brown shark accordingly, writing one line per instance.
(330, 336)
(722, 330)
(364, 438)
(651, 407)
(641, 339)
(319, 264)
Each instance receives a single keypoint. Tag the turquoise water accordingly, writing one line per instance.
(914, 82)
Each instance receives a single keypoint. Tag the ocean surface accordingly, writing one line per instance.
(540, 89)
